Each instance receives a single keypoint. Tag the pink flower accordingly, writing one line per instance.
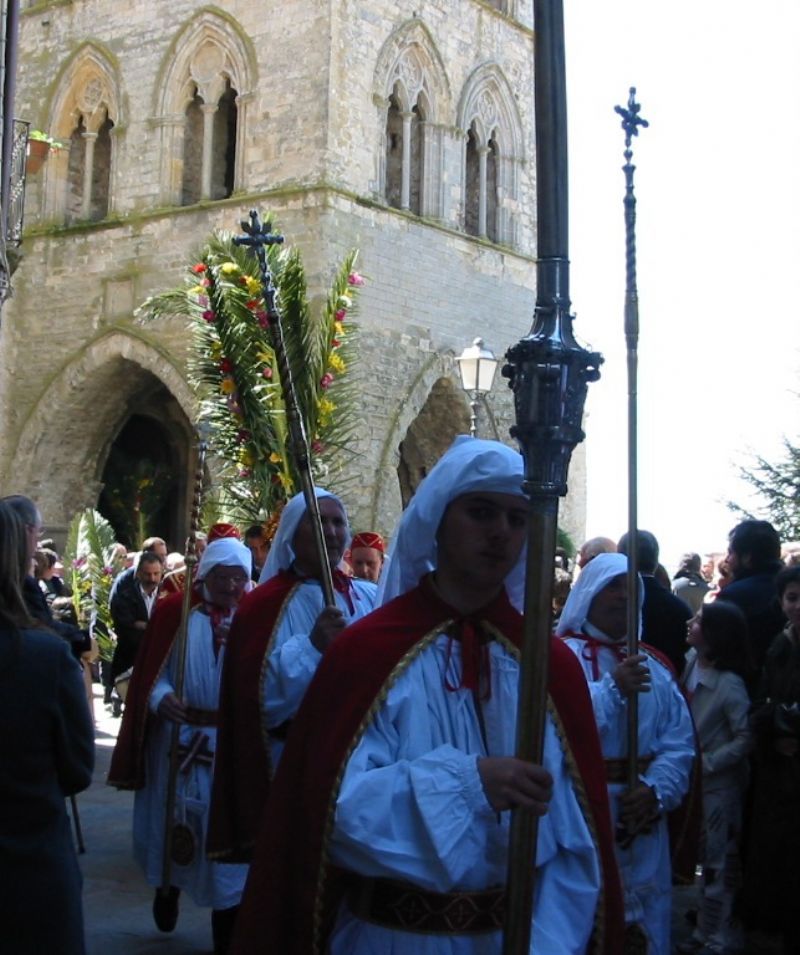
(267, 372)
(340, 314)
(317, 447)
(202, 301)
(326, 381)
(245, 472)
(244, 436)
(206, 283)
(209, 315)
(355, 279)
(263, 320)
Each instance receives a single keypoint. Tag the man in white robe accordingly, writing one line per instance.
(594, 625)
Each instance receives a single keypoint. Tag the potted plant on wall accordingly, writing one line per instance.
(39, 146)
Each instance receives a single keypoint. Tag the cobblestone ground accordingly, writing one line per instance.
(117, 902)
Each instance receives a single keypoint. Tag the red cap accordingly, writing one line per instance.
(368, 539)
(218, 531)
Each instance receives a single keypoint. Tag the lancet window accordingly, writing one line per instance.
(209, 142)
(405, 153)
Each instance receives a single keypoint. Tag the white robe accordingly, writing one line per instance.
(412, 807)
(665, 733)
(208, 883)
(293, 658)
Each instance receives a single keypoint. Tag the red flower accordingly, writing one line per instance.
(253, 304)
(245, 472)
(326, 381)
(226, 366)
(242, 280)
(244, 436)
(340, 314)
(209, 316)
(199, 268)
(263, 320)
(335, 343)
(317, 447)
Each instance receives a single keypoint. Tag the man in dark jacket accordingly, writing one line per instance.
(754, 558)
(131, 607)
(664, 616)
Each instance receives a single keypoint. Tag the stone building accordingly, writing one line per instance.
(401, 127)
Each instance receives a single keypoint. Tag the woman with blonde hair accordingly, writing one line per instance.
(46, 753)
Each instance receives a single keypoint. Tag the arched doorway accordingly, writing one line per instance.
(430, 434)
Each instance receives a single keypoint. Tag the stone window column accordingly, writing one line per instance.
(90, 139)
(209, 111)
(482, 194)
(405, 188)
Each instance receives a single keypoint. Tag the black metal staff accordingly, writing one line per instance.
(631, 121)
(180, 671)
(258, 237)
(549, 375)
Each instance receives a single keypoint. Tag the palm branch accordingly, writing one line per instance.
(233, 369)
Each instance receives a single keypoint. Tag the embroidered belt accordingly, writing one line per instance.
(197, 717)
(401, 905)
(617, 769)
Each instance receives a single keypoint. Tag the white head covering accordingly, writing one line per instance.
(596, 575)
(225, 552)
(281, 554)
(469, 465)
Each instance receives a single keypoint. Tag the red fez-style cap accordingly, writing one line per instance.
(368, 539)
(218, 531)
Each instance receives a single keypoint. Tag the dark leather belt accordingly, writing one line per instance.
(197, 717)
(617, 769)
(280, 732)
(401, 905)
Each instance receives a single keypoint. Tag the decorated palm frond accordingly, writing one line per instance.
(234, 371)
(93, 559)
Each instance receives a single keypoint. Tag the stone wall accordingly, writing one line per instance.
(310, 134)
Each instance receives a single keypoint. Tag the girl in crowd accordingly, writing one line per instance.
(714, 679)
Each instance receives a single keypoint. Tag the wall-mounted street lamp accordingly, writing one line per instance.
(476, 367)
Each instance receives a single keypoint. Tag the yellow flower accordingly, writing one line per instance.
(253, 286)
(228, 268)
(337, 363)
(326, 406)
(275, 458)
(215, 350)
(286, 481)
(338, 329)
(227, 385)
(264, 356)
(247, 458)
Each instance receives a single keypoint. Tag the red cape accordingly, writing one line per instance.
(242, 769)
(127, 761)
(293, 891)
(684, 823)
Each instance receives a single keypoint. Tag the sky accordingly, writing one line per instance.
(718, 221)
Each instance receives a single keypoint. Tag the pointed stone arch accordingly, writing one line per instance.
(70, 430)
(492, 131)
(85, 113)
(211, 61)
(435, 404)
(410, 81)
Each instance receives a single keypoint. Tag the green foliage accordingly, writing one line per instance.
(778, 486)
(92, 561)
(235, 374)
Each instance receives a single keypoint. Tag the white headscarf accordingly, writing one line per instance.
(469, 465)
(594, 577)
(281, 554)
(224, 552)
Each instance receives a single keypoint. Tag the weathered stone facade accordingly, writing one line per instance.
(401, 127)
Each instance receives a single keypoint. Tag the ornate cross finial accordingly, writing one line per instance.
(631, 120)
(257, 236)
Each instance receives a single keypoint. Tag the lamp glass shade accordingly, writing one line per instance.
(477, 366)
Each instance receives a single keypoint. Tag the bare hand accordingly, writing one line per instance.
(509, 782)
(171, 708)
(328, 625)
(632, 676)
(638, 809)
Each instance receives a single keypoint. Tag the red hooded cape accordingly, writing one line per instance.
(242, 767)
(127, 760)
(293, 891)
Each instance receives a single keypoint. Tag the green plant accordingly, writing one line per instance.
(92, 559)
(41, 137)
